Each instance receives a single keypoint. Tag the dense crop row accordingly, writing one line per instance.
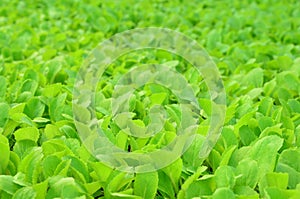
(256, 46)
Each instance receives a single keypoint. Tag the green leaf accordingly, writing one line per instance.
(229, 137)
(57, 107)
(269, 87)
(34, 108)
(3, 86)
(30, 86)
(255, 77)
(265, 122)
(62, 168)
(48, 54)
(117, 181)
(14, 161)
(206, 105)
(165, 185)
(213, 38)
(22, 147)
(55, 145)
(205, 186)
(222, 193)
(69, 131)
(226, 156)
(246, 173)
(40, 120)
(225, 177)
(50, 164)
(145, 184)
(28, 133)
(174, 172)
(265, 106)
(78, 167)
(25, 193)
(8, 185)
(124, 195)
(174, 113)
(246, 135)
(294, 105)
(214, 159)
(4, 114)
(289, 80)
(102, 171)
(21, 118)
(278, 180)
(276, 193)
(30, 164)
(81, 114)
(289, 162)
(41, 189)
(243, 121)
(191, 158)
(185, 186)
(52, 90)
(137, 127)
(93, 187)
(52, 67)
(158, 98)
(31, 74)
(64, 187)
(5, 153)
(264, 151)
(51, 131)
(245, 192)
(122, 138)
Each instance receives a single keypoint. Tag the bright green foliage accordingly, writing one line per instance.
(145, 184)
(256, 46)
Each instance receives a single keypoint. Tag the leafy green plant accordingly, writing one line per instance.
(256, 46)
